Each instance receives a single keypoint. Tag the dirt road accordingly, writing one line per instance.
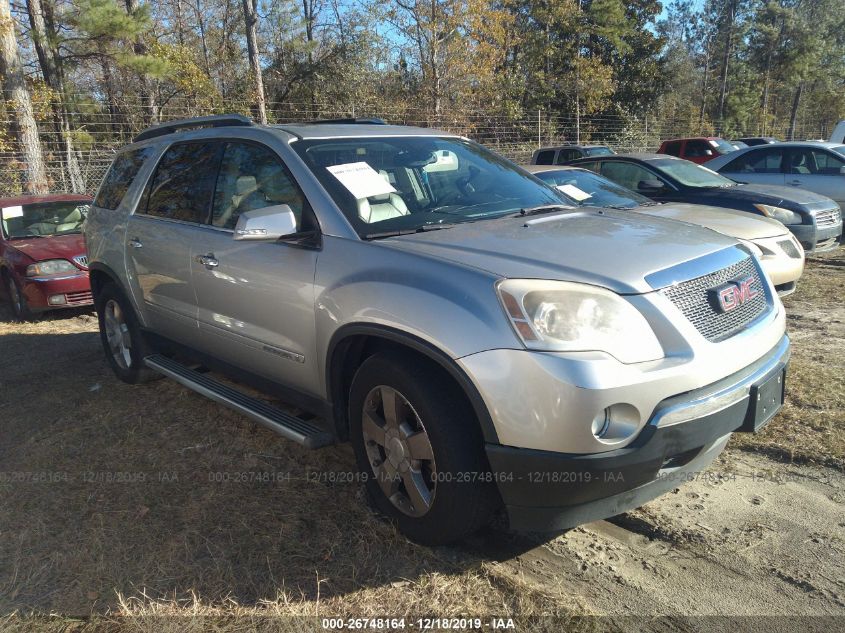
(125, 505)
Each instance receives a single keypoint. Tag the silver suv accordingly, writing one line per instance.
(485, 345)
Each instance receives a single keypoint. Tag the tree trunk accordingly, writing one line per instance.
(793, 117)
(150, 114)
(250, 21)
(26, 130)
(725, 61)
(43, 36)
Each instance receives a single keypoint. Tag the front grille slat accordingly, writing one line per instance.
(828, 217)
(79, 298)
(693, 300)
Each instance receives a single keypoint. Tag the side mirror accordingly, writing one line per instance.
(267, 224)
(708, 152)
(652, 185)
(842, 170)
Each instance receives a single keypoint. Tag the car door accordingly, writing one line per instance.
(256, 299)
(763, 166)
(175, 203)
(818, 170)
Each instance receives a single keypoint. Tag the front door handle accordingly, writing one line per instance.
(795, 183)
(135, 243)
(209, 261)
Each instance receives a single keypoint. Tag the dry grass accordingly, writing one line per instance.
(811, 427)
(274, 546)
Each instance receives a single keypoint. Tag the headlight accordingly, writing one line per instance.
(569, 317)
(777, 213)
(50, 267)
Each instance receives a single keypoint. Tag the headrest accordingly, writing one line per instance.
(245, 185)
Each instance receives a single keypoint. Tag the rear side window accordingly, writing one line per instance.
(546, 157)
(673, 148)
(565, 155)
(697, 149)
(756, 162)
(182, 186)
(120, 175)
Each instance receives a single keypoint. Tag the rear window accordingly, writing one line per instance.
(120, 175)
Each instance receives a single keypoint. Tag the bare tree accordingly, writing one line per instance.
(250, 21)
(26, 130)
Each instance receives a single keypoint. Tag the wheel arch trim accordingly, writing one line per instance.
(336, 354)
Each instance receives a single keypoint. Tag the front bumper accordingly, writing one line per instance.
(545, 490)
(817, 239)
(74, 289)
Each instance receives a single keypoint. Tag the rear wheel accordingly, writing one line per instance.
(420, 447)
(122, 338)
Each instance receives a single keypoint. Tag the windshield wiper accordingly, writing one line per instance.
(23, 237)
(425, 228)
(544, 208)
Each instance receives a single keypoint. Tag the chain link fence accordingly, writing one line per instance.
(99, 129)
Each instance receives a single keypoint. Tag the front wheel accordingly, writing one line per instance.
(420, 447)
(121, 336)
(17, 299)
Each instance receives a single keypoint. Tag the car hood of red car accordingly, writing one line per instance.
(58, 247)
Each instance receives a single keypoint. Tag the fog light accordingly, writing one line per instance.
(616, 423)
(57, 300)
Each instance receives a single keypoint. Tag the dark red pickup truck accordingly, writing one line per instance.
(43, 262)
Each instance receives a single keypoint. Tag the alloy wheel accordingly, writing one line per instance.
(399, 451)
(117, 334)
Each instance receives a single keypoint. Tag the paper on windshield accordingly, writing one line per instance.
(12, 212)
(574, 192)
(362, 180)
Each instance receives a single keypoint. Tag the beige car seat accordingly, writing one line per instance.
(382, 207)
(244, 186)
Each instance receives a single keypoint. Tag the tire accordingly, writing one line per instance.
(20, 308)
(121, 336)
(393, 456)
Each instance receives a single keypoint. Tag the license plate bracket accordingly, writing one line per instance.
(766, 400)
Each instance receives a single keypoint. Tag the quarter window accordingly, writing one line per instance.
(120, 176)
(252, 177)
(184, 179)
(546, 157)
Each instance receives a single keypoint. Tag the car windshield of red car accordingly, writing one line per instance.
(43, 219)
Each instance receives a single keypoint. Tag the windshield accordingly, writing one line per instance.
(690, 174)
(722, 145)
(598, 151)
(591, 189)
(43, 219)
(385, 184)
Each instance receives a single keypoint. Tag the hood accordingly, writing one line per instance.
(603, 247)
(739, 224)
(59, 247)
(786, 197)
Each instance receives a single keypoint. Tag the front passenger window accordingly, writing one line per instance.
(252, 177)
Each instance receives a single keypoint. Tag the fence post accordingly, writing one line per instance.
(539, 139)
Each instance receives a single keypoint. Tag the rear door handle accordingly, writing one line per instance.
(209, 261)
(135, 243)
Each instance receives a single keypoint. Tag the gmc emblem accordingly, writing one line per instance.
(733, 294)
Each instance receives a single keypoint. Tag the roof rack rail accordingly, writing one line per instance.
(364, 121)
(217, 120)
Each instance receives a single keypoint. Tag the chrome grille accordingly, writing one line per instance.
(693, 300)
(828, 217)
(790, 249)
(81, 260)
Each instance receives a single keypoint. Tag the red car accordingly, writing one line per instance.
(43, 262)
(698, 150)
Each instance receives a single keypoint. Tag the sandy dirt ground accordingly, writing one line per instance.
(134, 507)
